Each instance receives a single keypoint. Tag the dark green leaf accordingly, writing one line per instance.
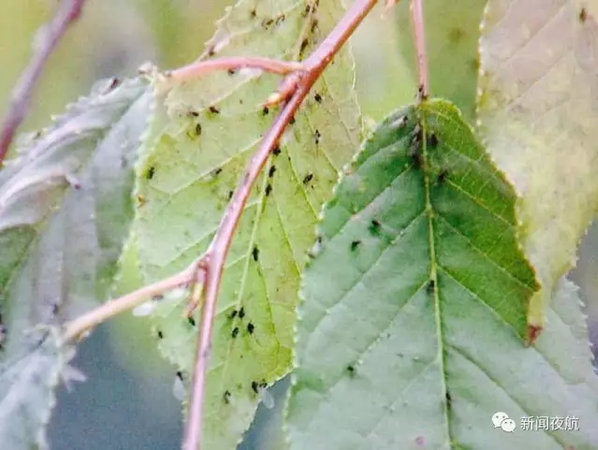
(411, 334)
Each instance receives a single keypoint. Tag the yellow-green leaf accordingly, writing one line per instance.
(537, 110)
(208, 130)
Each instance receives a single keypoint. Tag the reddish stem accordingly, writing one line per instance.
(53, 32)
(200, 68)
(218, 251)
(417, 17)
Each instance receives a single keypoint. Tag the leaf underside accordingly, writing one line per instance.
(203, 141)
(65, 211)
(537, 114)
(410, 334)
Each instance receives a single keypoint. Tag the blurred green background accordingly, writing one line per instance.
(127, 402)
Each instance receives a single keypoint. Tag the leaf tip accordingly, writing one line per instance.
(533, 333)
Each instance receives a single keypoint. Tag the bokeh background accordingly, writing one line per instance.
(127, 401)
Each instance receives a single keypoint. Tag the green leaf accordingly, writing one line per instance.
(537, 112)
(27, 383)
(203, 143)
(415, 307)
(452, 31)
(65, 211)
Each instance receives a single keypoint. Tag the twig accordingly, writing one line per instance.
(218, 250)
(200, 68)
(417, 18)
(53, 32)
(82, 324)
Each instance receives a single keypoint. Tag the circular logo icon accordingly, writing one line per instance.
(508, 425)
(498, 417)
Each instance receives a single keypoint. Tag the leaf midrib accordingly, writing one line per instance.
(429, 212)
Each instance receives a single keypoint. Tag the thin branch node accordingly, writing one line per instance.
(201, 266)
(287, 88)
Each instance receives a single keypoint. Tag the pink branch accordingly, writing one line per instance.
(53, 32)
(417, 17)
(200, 68)
(217, 253)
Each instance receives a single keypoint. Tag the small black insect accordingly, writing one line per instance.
(318, 98)
(233, 314)
(3, 333)
(191, 320)
(235, 332)
(416, 147)
(276, 151)
(226, 397)
(268, 189)
(280, 19)
(216, 171)
(179, 374)
(272, 171)
(114, 82)
(292, 121)
(583, 15)
(193, 113)
(241, 312)
(211, 51)
(314, 25)
(433, 140)
(442, 175)
(351, 370)
(304, 44)
(431, 287)
(198, 129)
(265, 111)
(255, 386)
(214, 110)
(231, 71)
(417, 160)
(307, 10)
(160, 334)
(354, 245)
(266, 23)
(253, 13)
(317, 137)
(375, 227)
(307, 178)
(250, 328)
(230, 194)
(150, 173)
(449, 399)
(255, 253)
